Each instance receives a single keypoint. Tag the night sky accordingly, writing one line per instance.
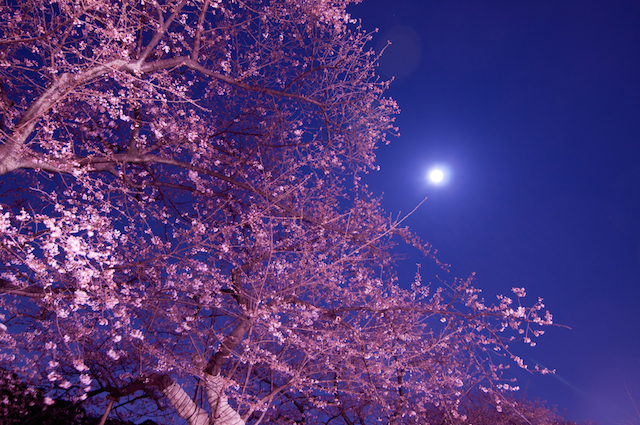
(534, 107)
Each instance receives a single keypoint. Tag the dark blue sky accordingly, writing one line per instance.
(535, 108)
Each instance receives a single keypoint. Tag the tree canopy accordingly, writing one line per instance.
(184, 230)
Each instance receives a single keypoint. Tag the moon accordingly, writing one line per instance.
(436, 176)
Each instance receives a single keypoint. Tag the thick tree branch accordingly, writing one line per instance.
(222, 412)
(214, 366)
(9, 288)
(153, 380)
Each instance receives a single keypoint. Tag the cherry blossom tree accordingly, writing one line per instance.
(183, 228)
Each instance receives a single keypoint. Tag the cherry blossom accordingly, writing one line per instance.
(184, 228)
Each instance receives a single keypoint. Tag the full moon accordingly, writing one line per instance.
(436, 175)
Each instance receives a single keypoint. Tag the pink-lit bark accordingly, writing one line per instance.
(183, 227)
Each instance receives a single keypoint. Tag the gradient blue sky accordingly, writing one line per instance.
(535, 108)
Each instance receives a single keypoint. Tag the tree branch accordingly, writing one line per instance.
(9, 288)
(158, 35)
